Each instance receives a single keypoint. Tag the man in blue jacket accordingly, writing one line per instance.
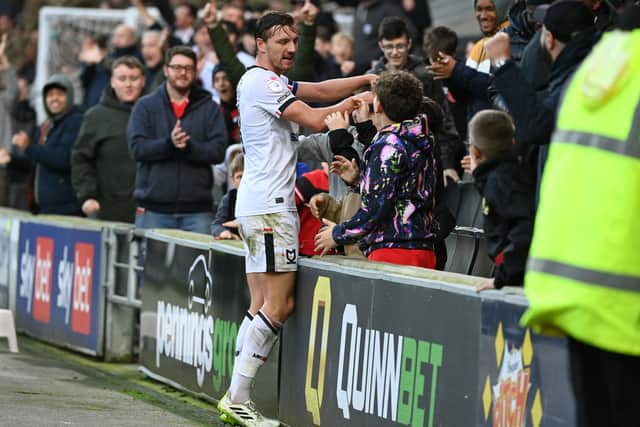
(175, 134)
(50, 149)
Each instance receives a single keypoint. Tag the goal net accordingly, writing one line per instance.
(61, 34)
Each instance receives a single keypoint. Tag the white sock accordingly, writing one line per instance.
(259, 338)
(240, 337)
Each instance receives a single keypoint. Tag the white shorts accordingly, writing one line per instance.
(270, 241)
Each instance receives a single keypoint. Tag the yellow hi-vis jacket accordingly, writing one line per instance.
(583, 272)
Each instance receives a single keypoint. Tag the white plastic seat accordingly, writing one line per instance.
(8, 329)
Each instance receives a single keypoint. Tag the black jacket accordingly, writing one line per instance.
(534, 65)
(53, 191)
(101, 167)
(451, 147)
(534, 114)
(52, 184)
(508, 206)
(170, 180)
(226, 212)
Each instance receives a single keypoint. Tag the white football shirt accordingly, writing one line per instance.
(269, 143)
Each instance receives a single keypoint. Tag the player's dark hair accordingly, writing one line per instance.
(270, 22)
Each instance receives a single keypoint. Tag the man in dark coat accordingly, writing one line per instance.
(102, 172)
(568, 35)
(51, 152)
(395, 42)
(176, 134)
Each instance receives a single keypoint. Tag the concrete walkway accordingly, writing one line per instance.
(46, 386)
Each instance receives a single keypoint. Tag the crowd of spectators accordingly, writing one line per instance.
(156, 136)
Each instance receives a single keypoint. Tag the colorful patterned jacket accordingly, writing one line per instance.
(397, 185)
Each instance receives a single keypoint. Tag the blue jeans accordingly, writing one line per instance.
(196, 222)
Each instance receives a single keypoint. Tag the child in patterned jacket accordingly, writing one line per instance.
(397, 184)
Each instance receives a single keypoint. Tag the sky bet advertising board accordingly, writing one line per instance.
(59, 296)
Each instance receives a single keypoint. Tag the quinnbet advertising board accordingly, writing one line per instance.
(193, 301)
(368, 351)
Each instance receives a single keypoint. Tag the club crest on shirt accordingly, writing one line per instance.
(290, 255)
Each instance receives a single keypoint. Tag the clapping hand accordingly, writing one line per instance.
(21, 140)
(179, 137)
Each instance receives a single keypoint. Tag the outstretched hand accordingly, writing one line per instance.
(346, 169)
(210, 13)
(486, 285)
(442, 67)
(337, 120)
(4, 61)
(362, 114)
(324, 239)
(498, 47)
(309, 13)
(90, 52)
(5, 157)
(90, 207)
(318, 204)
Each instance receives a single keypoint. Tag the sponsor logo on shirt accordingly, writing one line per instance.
(275, 85)
(283, 97)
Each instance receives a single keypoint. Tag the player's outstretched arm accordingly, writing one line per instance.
(335, 89)
(313, 118)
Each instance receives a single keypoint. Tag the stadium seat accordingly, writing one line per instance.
(483, 265)
(478, 220)
(470, 206)
(462, 246)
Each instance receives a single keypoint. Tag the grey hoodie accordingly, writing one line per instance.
(61, 81)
